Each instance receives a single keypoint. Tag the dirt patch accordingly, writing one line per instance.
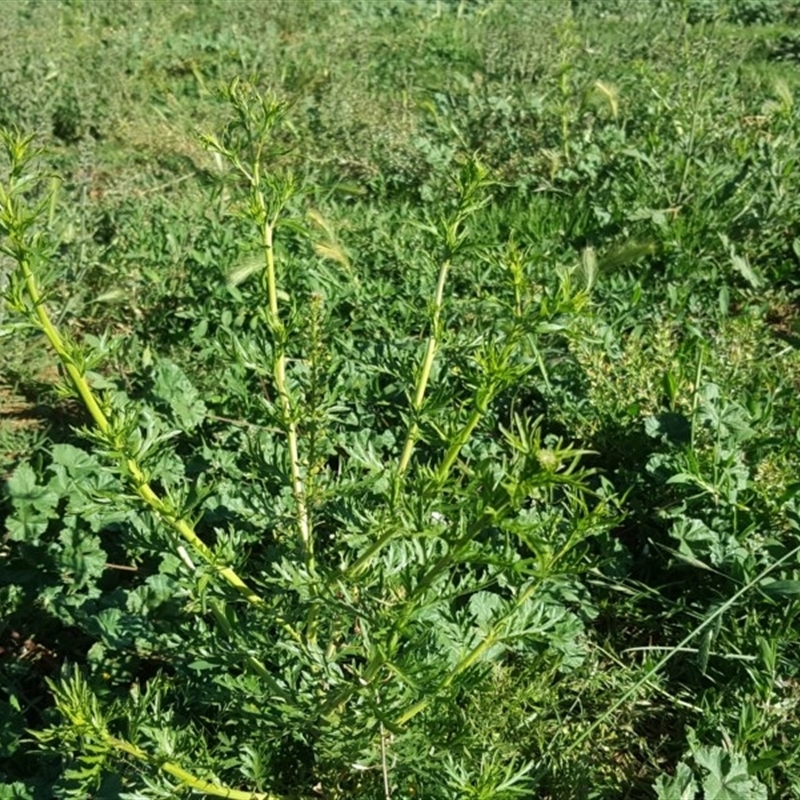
(784, 319)
(19, 420)
(28, 410)
(15, 411)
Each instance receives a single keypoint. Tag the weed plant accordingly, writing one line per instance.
(389, 576)
(426, 427)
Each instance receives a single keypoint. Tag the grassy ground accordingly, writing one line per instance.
(626, 296)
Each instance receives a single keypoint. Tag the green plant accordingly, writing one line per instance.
(648, 161)
(725, 775)
(379, 594)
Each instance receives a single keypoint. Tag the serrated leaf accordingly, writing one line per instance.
(681, 786)
(82, 558)
(155, 590)
(78, 462)
(728, 777)
(171, 385)
(22, 483)
(108, 624)
(12, 724)
(34, 506)
(15, 791)
(485, 607)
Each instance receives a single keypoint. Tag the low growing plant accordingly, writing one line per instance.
(725, 775)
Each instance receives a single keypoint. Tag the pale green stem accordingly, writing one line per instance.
(698, 377)
(689, 150)
(369, 674)
(138, 479)
(186, 778)
(359, 566)
(378, 661)
(251, 661)
(441, 475)
(455, 448)
(462, 666)
(425, 372)
(282, 386)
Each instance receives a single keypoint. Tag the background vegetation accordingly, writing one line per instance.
(586, 581)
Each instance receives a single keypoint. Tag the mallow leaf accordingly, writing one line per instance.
(171, 385)
(34, 506)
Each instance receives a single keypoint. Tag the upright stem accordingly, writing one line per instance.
(458, 443)
(281, 384)
(425, 372)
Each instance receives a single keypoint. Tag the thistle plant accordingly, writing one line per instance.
(395, 580)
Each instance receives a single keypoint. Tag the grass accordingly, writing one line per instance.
(400, 400)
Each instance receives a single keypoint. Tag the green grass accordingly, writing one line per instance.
(481, 482)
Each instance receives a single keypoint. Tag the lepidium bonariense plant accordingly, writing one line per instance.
(329, 652)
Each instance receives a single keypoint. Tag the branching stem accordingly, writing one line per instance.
(186, 778)
(138, 479)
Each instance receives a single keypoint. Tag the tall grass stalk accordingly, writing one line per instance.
(655, 669)
(472, 195)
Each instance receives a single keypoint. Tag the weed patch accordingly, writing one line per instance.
(399, 400)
